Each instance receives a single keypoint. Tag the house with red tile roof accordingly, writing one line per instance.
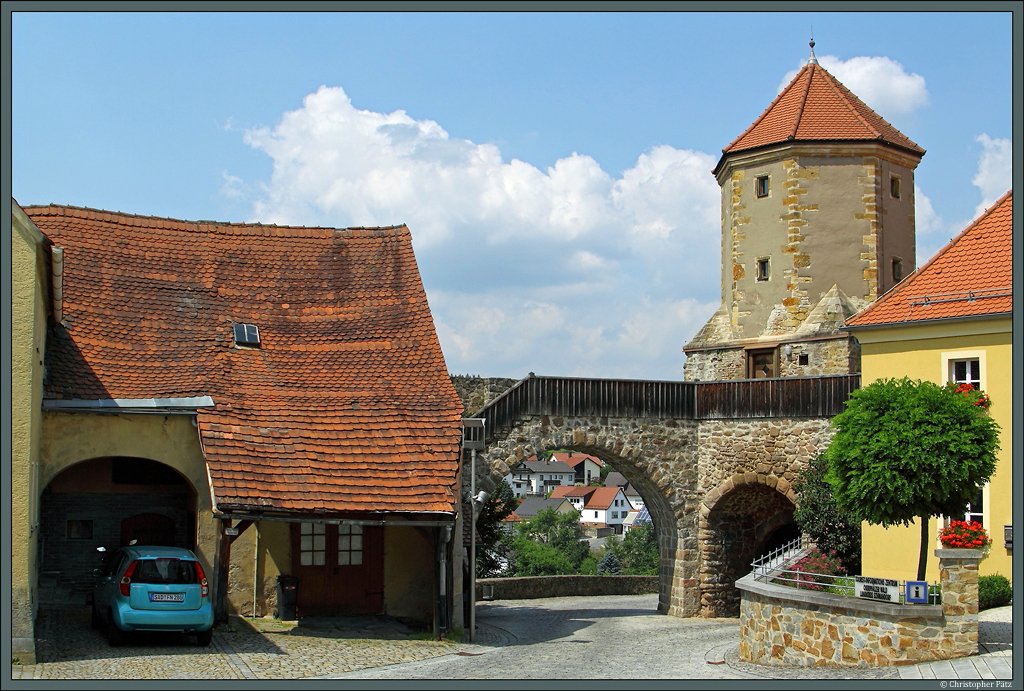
(817, 222)
(586, 466)
(950, 321)
(274, 398)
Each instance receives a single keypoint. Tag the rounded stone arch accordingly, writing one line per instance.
(646, 461)
(738, 519)
(108, 502)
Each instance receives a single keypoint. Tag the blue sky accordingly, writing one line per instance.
(553, 168)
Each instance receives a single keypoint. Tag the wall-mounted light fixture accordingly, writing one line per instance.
(788, 350)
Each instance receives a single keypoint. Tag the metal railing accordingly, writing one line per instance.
(681, 400)
(781, 567)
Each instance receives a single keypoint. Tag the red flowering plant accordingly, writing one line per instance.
(975, 396)
(814, 571)
(964, 535)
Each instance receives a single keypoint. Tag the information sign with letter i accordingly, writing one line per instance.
(917, 593)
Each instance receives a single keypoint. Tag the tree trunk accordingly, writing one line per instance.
(922, 559)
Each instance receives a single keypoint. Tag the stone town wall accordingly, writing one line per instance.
(783, 626)
(476, 392)
(531, 587)
(683, 468)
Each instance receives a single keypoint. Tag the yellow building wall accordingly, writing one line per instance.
(921, 352)
(29, 296)
(409, 567)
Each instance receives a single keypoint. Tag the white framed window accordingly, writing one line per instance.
(968, 367)
(964, 366)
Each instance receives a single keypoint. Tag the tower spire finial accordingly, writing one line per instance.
(812, 60)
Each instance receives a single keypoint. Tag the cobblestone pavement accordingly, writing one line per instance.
(611, 637)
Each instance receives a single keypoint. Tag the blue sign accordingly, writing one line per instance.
(917, 593)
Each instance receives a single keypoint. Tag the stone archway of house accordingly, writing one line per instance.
(736, 518)
(666, 513)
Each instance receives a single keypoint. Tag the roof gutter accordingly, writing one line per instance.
(151, 406)
(915, 322)
(305, 518)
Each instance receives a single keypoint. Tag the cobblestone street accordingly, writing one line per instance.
(611, 637)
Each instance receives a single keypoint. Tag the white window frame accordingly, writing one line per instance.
(946, 376)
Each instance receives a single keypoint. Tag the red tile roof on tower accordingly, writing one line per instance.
(972, 276)
(816, 107)
(346, 405)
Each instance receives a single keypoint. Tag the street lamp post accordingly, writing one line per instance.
(473, 439)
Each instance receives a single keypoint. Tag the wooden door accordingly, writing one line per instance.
(148, 529)
(340, 568)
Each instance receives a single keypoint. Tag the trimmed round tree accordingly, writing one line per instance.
(906, 450)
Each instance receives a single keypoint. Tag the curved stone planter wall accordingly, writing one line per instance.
(785, 626)
(531, 587)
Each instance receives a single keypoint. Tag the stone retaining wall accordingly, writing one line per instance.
(784, 626)
(532, 587)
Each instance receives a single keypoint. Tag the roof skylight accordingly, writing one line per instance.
(247, 335)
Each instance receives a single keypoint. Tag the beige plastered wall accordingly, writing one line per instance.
(829, 219)
(69, 438)
(29, 296)
(920, 352)
(263, 552)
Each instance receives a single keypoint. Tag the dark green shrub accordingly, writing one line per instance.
(994, 591)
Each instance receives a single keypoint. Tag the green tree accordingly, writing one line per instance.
(561, 532)
(495, 541)
(609, 564)
(539, 559)
(820, 518)
(906, 450)
(639, 552)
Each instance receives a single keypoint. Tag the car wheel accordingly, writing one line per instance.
(115, 636)
(96, 621)
(203, 638)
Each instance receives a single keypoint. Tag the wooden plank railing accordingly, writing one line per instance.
(630, 398)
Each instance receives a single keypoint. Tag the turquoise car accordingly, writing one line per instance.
(152, 589)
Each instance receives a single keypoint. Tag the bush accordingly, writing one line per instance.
(813, 571)
(994, 591)
(820, 519)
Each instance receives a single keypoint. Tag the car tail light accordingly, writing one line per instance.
(126, 579)
(202, 579)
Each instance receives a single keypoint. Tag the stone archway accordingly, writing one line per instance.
(738, 519)
(657, 457)
(105, 502)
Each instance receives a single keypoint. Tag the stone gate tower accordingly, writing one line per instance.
(817, 222)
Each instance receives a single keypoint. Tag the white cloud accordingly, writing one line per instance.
(526, 269)
(995, 171)
(880, 82)
(233, 187)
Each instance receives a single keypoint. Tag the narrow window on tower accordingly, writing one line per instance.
(894, 186)
(761, 186)
(897, 269)
(763, 269)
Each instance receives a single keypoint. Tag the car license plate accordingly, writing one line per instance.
(167, 597)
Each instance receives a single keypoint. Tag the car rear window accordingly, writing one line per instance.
(167, 571)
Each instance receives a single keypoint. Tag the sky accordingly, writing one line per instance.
(553, 168)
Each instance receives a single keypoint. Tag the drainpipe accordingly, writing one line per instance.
(472, 548)
(444, 537)
(57, 282)
(255, 568)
